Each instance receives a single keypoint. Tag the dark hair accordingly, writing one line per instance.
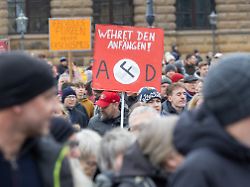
(189, 56)
(88, 88)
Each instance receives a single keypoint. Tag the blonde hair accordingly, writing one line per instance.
(89, 142)
(114, 142)
(193, 102)
(156, 139)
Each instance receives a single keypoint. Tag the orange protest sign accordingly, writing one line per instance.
(69, 34)
(127, 58)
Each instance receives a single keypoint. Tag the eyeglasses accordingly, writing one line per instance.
(72, 144)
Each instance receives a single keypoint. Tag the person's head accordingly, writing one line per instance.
(176, 94)
(226, 94)
(69, 97)
(96, 93)
(64, 61)
(195, 102)
(216, 58)
(63, 132)
(199, 86)
(151, 97)
(140, 115)
(61, 129)
(177, 77)
(203, 69)
(109, 105)
(196, 52)
(60, 110)
(165, 82)
(190, 60)
(112, 148)
(89, 142)
(80, 90)
(64, 78)
(27, 93)
(156, 142)
(190, 83)
(170, 69)
(169, 58)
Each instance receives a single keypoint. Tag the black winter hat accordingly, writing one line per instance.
(66, 92)
(22, 78)
(227, 88)
(61, 129)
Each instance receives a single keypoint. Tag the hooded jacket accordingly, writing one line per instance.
(41, 162)
(135, 164)
(213, 157)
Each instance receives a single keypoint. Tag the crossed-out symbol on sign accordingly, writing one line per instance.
(126, 71)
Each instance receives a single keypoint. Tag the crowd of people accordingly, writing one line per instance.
(56, 130)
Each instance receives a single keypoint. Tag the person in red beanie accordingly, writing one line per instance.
(176, 77)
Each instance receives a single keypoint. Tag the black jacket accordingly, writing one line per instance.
(135, 164)
(101, 127)
(214, 158)
(78, 117)
(35, 166)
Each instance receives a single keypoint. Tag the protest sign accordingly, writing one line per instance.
(127, 58)
(70, 34)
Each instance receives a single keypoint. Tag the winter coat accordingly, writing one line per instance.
(190, 69)
(88, 105)
(37, 165)
(167, 109)
(78, 117)
(213, 157)
(136, 165)
(101, 127)
(189, 96)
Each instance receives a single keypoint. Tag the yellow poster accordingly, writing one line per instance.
(70, 34)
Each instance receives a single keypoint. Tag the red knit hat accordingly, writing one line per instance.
(176, 77)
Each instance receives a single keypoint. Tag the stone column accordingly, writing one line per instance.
(4, 18)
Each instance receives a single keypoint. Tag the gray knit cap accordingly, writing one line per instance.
(227, 88)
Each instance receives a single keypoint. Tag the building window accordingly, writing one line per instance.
(193, 14)
(37, 11)
(118, 12)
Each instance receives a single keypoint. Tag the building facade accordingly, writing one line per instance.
(185, 22)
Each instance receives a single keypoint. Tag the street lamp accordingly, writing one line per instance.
(22, 23)
(150, 13)
(213, 22)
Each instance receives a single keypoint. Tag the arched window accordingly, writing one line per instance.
(193, 14)
(113, 12)
(37, 11)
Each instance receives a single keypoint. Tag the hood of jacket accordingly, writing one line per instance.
(200, 129)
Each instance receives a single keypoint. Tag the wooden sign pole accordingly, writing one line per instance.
(70, 66)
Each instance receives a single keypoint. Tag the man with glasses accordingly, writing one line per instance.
(69, 100)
